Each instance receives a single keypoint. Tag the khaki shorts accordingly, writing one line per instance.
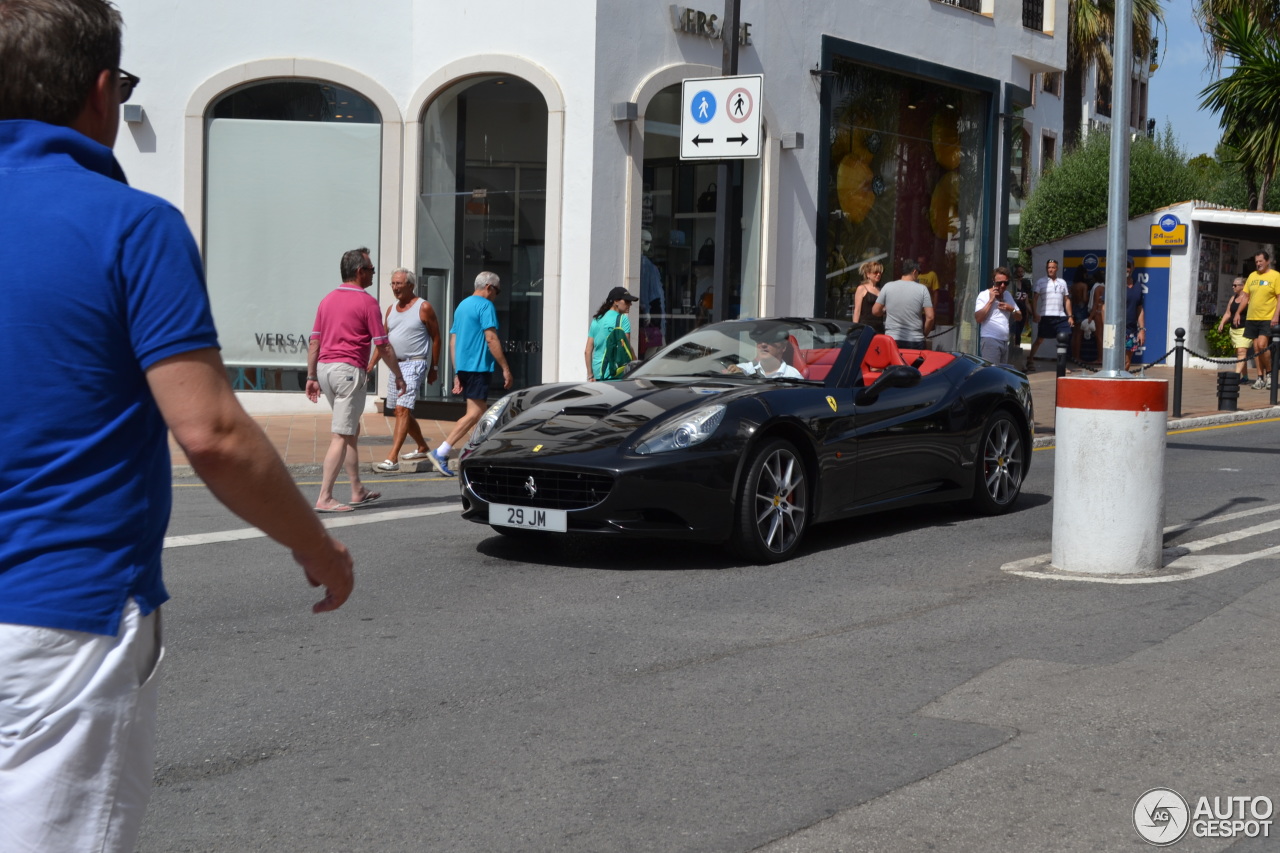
(343, 387)
(1238, 340)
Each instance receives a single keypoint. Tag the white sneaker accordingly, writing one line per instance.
(387, 465)
(1259, 384)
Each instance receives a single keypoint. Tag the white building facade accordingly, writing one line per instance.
(542, 143)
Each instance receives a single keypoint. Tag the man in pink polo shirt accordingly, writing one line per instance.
(347, 321)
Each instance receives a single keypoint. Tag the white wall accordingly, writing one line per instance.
(598, 52)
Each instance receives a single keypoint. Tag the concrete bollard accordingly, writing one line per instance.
(1108, 478)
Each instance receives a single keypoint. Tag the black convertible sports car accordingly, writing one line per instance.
(747, 432)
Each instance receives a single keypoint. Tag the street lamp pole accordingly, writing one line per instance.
(1118, 194)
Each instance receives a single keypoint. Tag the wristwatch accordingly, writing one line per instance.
(312, 379)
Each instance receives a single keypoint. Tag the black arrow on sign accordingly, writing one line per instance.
(698, 140)
(741, 140)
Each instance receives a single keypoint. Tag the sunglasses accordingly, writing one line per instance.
(128, 82)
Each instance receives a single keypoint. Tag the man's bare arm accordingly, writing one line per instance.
(495, 349)
(313, 364)
(233, 456)
(428, 315)
(928, 320)
(373, 354)
(389, 357)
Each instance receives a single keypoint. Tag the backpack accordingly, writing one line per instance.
(617, 353)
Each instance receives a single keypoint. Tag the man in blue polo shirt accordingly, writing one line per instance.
(85, 484)
(475, 350)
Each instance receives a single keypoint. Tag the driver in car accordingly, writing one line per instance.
(772, 351)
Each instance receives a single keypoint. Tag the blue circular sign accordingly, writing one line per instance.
(1090, 262)
(1169, 223)
(703, 107)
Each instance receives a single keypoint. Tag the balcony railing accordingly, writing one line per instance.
(971, 5)
(1033, 14)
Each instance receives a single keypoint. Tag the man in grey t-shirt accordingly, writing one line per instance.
(907, 308)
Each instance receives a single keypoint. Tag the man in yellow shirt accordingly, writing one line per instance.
(1263, 288)
(929, 279)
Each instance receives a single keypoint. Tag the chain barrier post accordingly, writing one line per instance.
(1179, 340)
(1064, 339)
(1275, 363)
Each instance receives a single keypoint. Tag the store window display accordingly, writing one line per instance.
(907, 165)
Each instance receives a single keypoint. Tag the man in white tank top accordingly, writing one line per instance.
(414, 333)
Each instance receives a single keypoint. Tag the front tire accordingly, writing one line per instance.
(773, 505)
(1001, 465)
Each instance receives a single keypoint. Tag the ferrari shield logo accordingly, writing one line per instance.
(537, 447)
(831, 401)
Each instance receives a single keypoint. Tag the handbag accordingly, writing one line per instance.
(707, 252)
(707, 201)
(617, 353)
(650, 338)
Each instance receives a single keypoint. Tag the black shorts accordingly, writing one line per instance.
(1257, 329)
(1049, 327)
(475, 386)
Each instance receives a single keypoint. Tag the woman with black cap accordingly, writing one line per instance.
(612, 314)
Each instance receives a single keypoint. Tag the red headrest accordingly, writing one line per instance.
(793, 354)
(882, 353)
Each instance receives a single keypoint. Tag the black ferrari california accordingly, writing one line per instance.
(747, 432)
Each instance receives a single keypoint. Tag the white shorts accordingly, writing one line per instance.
(77, 734)
(412, 372)
(343, 387)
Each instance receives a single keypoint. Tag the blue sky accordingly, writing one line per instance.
(1174, 91)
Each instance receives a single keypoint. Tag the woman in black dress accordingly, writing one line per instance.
(865, 296)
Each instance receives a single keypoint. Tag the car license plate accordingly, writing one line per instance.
(528, 517)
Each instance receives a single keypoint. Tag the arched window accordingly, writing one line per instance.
(293, 179)
(683, 280)
(482, 205)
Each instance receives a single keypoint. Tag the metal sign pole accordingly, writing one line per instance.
(727, 206)
(1113, 339)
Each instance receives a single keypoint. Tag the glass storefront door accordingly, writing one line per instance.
(906, 180)
(482, 206)
(683, 283)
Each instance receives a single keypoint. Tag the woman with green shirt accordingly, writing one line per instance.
(611, 314)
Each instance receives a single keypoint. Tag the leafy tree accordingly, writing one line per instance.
(1090, 27)
(1266, 13)
(1072, 196)
(1246, 98)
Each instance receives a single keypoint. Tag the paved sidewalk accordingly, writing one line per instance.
(303, 439)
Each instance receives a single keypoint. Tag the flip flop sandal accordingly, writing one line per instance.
(338, 508)
(372, 497)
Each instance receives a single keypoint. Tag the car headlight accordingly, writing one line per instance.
(687, 430)
(490, 420)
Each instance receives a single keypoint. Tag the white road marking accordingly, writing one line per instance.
(1180, 562)
(330, 521)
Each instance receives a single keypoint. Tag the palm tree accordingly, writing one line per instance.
(1090, 26)
(1207, 12)
(1246, 98)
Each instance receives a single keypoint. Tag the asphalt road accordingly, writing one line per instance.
(891, 689)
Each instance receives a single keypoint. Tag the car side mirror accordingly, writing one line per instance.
(894, 376)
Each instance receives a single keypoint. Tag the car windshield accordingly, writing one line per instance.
(763, 349)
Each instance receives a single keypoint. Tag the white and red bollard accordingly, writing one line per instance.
(1108, 478)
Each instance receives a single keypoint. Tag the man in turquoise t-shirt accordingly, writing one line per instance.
(476, 349)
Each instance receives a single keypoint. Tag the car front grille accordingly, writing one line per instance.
(539, 487)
